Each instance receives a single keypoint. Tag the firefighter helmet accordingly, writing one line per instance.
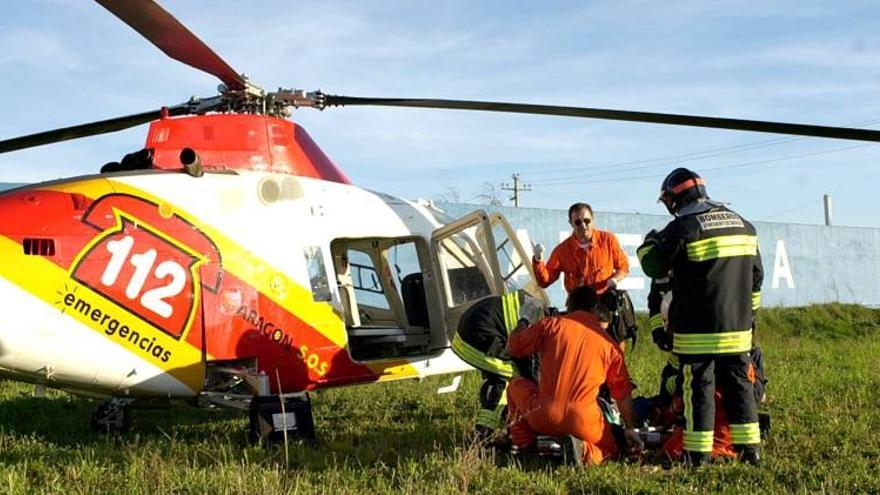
(680, 187)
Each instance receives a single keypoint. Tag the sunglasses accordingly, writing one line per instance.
(583, 221)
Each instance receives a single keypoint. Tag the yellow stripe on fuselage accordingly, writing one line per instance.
(52, 284)
(393, 370)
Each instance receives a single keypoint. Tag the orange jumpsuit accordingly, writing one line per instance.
(591, 266)
(577, 357)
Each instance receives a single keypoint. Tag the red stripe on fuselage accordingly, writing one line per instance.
(239, 321)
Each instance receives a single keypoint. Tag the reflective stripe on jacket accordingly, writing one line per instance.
(482, 333)
(716, 279)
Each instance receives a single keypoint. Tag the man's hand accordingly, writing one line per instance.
(611, 284)
(633, 441)
(538, 249)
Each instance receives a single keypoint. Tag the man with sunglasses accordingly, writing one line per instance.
(590, 257)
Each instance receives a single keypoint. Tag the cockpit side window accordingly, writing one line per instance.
(317, 273)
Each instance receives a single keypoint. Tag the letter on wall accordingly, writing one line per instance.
(781, 266)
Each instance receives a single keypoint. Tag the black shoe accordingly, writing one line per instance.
(530, 450)
(697, 459)
(764, 424)
(572, 451)
(751, 455)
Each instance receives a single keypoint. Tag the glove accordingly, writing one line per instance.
(539, 252)
(634, 441)
(662, 339)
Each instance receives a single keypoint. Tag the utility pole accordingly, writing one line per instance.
(516, 189)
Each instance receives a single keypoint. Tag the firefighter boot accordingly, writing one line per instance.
(750, 454)
(697, 459)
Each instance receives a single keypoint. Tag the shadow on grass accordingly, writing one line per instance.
(60, 424)
(414, 436)
(66, 421)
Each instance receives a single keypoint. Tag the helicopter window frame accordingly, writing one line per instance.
(384, 282)
(515, 267)
(464, 248)
(460, 249)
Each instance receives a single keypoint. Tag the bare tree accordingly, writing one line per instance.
(491, 195)
(452, 195)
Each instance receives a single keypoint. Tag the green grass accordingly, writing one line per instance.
(823, 363)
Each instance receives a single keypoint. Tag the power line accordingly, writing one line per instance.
(695, 155)
(682, 157)
(658, 161)
(723, 167)
(792, 209)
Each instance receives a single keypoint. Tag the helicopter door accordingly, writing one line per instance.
(514, 262)
(466, 264)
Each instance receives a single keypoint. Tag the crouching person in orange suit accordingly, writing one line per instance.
(577, 358)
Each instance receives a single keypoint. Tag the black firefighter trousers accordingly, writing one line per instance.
(733, 375)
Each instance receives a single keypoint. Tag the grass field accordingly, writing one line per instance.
(823, 363)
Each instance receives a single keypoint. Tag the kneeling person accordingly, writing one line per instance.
(481, 340)
(577, 358)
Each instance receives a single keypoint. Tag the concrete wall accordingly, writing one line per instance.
(803, 264)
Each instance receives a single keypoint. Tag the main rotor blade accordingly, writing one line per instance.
(84, 130)
(173, 38)
(629, 116)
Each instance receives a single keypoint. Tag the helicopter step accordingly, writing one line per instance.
(281, 418)
(232, 384)
(272, 418)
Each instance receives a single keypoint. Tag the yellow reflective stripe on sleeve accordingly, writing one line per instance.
(492, 418)
(669, 384)
(479, 360)
(510, 308)
(712, 343)
(698, 441)
(756, 300)
(725, 246)
(489, 418)
(655, 321)
(745, 434)
(644, 250)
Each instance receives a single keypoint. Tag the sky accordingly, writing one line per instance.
(65, 62)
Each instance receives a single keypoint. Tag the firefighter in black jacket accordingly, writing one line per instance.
(713, 256)
(481, 340)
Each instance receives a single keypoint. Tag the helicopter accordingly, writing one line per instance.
(221, 264)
